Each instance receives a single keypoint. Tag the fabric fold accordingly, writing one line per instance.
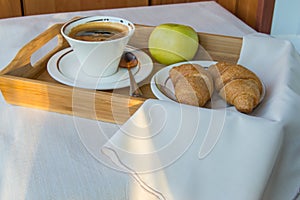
(238, 166)
(278, 63)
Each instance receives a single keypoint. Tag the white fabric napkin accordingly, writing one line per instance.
(176, 152)
(277, 62)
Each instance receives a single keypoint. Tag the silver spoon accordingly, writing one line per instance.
(129, 60)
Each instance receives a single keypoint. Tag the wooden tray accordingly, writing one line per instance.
(30, 85)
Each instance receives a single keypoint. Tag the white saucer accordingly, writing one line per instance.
(64, 67)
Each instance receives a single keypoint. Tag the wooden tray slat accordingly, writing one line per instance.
(24, 84)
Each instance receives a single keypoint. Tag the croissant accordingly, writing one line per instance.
(192, 83)
(237, 85)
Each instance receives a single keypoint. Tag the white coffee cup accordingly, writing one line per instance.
(98, 58)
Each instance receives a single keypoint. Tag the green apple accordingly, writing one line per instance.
(171, 43)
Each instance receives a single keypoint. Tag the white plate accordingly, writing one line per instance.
(163, 88)
(64, 67)
(161, 84)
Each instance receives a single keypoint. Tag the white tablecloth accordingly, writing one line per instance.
(41, 153)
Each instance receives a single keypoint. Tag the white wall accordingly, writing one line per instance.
(286, 21)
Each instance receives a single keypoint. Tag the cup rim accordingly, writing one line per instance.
(127, 23)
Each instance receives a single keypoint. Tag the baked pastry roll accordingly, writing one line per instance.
(237, 85)
(192, 83)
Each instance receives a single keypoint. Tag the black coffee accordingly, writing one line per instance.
(98, 31)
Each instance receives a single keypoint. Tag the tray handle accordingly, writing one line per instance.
(22, 58)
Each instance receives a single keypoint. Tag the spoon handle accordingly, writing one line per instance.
(134, 88)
